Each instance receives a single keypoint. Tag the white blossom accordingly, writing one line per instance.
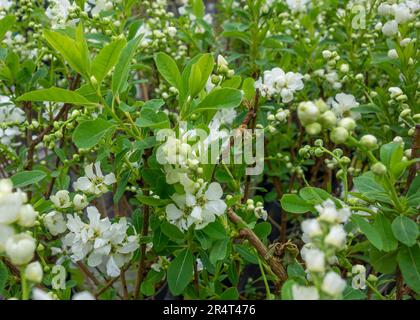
(20, 248)
(304, 293)
(333, 284)
(55, 223)
(94, 182)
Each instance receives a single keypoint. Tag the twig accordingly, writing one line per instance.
(247, 233)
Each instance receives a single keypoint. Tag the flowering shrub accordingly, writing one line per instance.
(231, 149)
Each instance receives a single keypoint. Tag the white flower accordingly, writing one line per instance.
(276, 82)
(329, 213)
(336, 237)
(199, 209)
(80, 202)
(102, 242)
(61, 199)
(304, 293)
(393, 54)
(94, 182)
(34, 272)
(384, 9)
(395, 92)
(343, 104)
(84, 295)
(39, 294)
(297, 5)
(333, 284)
(390, 28)
(27, 216)
(10, 203)
(221, 61)
(20, 248)
(311, 227)
(314, 259)
(5, 233)
(402, 13)
(55, 223)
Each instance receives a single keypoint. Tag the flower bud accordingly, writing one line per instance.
(20, 248)
(34, 272)
(313, 128)
(328, 119)
(27, 216)
(308, 112)
(369, 141)
(347, 123)
(339, 135)
(378, 168)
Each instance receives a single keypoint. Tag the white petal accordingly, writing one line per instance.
(94, 259)
(172, 212)
(214, 191)
(83, 184)
(89, 171)
(217, 207)
(111, 268)
(196, 213)
(98, 169)
(110, 179)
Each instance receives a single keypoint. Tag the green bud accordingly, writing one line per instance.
(378, 168)
(339, 135)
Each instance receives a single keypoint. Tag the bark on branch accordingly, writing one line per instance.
(262, 250)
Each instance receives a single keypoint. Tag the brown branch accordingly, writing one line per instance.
(87, 272)
(262, 250)
(144, 232)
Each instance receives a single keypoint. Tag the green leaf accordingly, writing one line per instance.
(405, 230)
(314, 195)
(172, 231)
(215, 230)
(286, 290)
(122, 69)
(88, 133)
(55, 94)
(200, 72)
(294, 204)
(5, 25)
(107, 58)
(68, 48)
(169, 70)
(409, 262)
(383, 226)
(248, 88)
(219, 250)
(383, 262)
(246, 254)
(152, 119)
(4, 276)
(223, 98)
(180, 272)
(391, 155)
(231, 293)
(151, 201)
(366, 183)
(83, 49)
(25, 178)
(369, 231)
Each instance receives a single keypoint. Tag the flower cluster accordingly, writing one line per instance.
(103, 243)
(323, 237)
(277, 83)
(338, 117)
(401, 13)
